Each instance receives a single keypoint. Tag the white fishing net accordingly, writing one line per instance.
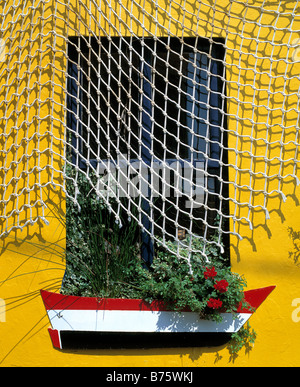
(183, 114)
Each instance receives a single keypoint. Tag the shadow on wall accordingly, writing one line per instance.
(31, 108)
(31, 259)
(260, 222)
(262, 121)
(294, 254)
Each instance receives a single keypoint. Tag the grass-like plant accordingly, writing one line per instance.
(99, 253)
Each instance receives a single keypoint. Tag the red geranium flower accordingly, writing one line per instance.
(214, 303)
(221, 286)
(210, 273)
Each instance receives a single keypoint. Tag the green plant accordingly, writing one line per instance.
(204, 288)
(103, 260)
(99, 252)
(245, 337)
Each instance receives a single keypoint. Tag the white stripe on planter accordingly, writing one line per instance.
(142, 321)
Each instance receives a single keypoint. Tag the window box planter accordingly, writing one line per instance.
(88, 322)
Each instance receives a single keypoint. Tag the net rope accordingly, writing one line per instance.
(184, 115)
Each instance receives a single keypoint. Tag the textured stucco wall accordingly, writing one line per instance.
(34, 258)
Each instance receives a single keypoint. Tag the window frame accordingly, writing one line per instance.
(216, 110)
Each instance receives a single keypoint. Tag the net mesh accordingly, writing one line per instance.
(183, 115)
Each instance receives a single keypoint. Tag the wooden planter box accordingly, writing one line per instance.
(90, 322)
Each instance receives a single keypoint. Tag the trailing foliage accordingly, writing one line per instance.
(245, 337)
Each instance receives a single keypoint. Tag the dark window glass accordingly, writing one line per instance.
(160, 99)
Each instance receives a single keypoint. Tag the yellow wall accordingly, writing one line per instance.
(34, 258)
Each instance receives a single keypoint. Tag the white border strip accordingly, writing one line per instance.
(142, 321)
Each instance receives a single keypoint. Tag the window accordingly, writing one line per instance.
(159, 100)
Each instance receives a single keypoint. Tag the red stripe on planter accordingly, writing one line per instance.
(255, 297)
(55, 338)
(62, 302)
